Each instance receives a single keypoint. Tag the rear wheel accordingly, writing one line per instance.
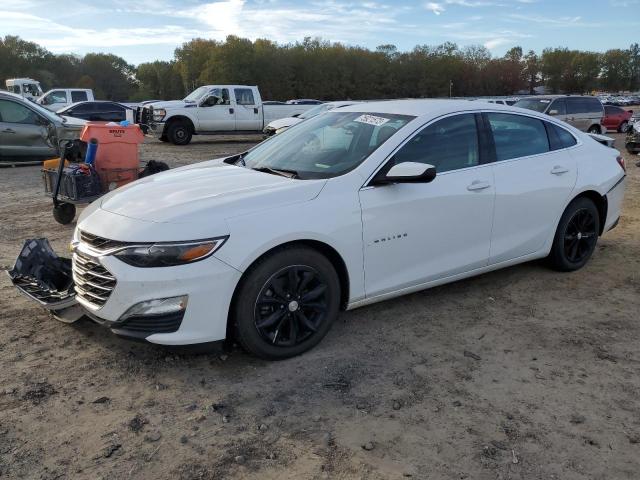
(594, 129)
(576, 236)
(624, 126)
(286, 303)
(179, 133)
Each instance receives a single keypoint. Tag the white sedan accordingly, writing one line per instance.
(352, 207)
(281, 124)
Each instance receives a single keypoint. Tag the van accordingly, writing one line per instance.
(582, 112)
(59, 98)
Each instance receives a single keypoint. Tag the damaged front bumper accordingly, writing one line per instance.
(42, 276)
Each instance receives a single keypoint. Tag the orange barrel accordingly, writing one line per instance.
(117, 161)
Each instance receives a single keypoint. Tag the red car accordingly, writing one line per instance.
(616, 118)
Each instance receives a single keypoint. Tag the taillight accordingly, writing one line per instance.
(620, 161)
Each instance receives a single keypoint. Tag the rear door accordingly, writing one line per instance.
(78, 96)
(247, 110)
(533, 180)
(22, 132)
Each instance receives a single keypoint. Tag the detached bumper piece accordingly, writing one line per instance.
(46, 278)
(43, 276)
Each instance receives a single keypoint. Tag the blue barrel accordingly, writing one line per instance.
(92, 148)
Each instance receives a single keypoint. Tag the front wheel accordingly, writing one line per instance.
(576, 236)
(286, 303)
(179, 133)
(624, 126)
(594, 129)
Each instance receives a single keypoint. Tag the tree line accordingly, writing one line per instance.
(314, 68)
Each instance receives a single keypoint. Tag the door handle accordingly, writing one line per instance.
(8, 130)
(478, 185)
(559, 170)
(255, 110)
(231, 111)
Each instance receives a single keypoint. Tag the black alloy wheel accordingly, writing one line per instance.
(291, 306)
(580, 236)
(576, 236)
(286, 302)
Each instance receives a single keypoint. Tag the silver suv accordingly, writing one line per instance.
(584, 113)
(28, 131)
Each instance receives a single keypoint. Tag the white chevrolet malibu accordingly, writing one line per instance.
(351, 207)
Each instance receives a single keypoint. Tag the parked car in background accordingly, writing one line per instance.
(582, 112)
(304, 101)
(212, 109)
(616, 118)
(349, 208)
(59, 98)
(280, 125)
(273, 102)
(499, 101)
(632, 142)
(99, 111)
(28, 131)
(25, 87)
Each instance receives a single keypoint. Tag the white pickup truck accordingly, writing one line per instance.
(210, 110)
(59, 98)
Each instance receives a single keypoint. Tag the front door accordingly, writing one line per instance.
(415, 233)
(22, 132)
(532, 181)
(216, 112)
(247, 111)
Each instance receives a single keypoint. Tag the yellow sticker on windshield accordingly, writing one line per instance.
(372, 120)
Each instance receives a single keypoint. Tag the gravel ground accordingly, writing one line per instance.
(524, 373)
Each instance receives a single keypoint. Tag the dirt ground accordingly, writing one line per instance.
(524, 373)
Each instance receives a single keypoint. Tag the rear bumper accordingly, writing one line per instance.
(614, 204)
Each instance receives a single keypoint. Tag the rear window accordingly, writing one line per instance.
(517, 135)
(559, 138)
(583, 105)
(78, 97)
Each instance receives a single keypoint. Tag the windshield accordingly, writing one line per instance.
(538, 104)
(47, 113)
(312, 112)
(196, 95)
(327, 145)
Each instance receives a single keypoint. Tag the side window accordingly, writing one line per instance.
(11, 112)
(77, 96)
(223, 94)
(244, 96)
(517, 136)
(448, 144)
(559, 137)
(609, 110)
(559, 106)
(57, 96)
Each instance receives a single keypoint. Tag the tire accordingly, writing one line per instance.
(64, 213)
(594, 129)
(179, 133)
(576, 235)
(275, 320)
(624, 126)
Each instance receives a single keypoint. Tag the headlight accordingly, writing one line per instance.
(169, 254)
(158, 114)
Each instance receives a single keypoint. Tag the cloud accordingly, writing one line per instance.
(436, 8)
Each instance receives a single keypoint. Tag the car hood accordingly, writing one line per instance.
(283, 122)
(171, 104)
(73, 122)
(200, 193)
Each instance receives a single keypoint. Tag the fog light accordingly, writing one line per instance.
(160, 306)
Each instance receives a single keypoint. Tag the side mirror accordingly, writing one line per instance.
(42, 121)
(553, 112)
(406, 172)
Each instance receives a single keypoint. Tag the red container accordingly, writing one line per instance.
(117, 161)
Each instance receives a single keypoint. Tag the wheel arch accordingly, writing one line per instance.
(601, 204)
(179, 118)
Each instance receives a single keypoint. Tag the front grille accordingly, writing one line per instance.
(100, 243)
(94, 283)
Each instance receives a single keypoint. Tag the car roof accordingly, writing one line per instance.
(11, 95)
(418, 108)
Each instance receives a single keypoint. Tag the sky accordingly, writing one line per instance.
(147, 30)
